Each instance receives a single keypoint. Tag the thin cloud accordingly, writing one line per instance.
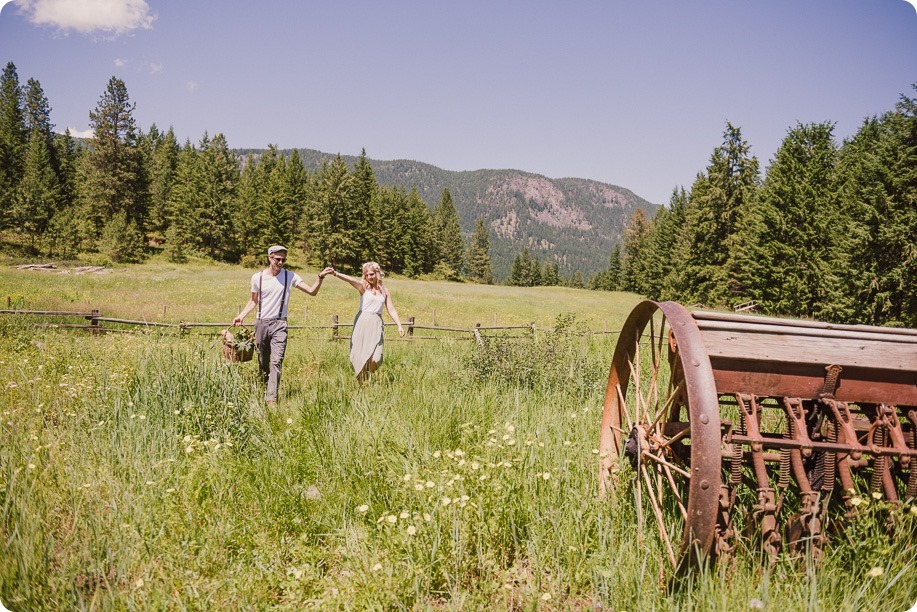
(75, 133)
(120, 63)
(112, 17)
(156, 68)
(191, 86)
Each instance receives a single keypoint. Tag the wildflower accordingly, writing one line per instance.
(459, 452)
(546, 597)
(595, 451)
(855, 501)
(546, 475)
(913, 510)
(430, 484)
(755, 604)
(510, 427)
(411, 530)
(139, 583)
(31, 466)
(875, 572)
(392, 519)
(289, 421)
(362, 509)
(427, 517)
(436, 455)
(418, 486)
(177, 412)
(170, 490)
(377, 567)
(407, 478)
(876, 495)
(511, 442)
(567, 443)
(506, 437)
(446, 501)
(142, 417)
(150, 482)
(404, 514)
(474, 465)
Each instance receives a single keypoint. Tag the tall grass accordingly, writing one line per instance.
(141, 471)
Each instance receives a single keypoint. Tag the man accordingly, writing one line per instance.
(270, 291)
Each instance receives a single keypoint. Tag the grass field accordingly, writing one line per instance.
(141, 471)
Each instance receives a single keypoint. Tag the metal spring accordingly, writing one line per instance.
(878, 462)
(735, 462)
(784, 480)
(829, 461)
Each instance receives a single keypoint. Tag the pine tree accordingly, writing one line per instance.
(363, 198)
(796, 244)
(332, 235)
(661, 263)
(636, 242)
(878, 170)
(478, 264)
(708, 240)
(449, 235)
(418, 237)
(13, 142)
(160, 152)
(113, 177)
(550, 275)
(37, 195)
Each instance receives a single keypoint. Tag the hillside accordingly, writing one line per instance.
(572, 221)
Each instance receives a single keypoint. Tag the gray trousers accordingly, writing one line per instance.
(271, 342)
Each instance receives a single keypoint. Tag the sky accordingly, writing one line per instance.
(636, 94)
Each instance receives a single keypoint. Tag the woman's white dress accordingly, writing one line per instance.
(366, 340)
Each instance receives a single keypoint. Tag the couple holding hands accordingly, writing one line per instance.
(270, 291)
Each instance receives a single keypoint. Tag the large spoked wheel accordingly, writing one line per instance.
(662, 414)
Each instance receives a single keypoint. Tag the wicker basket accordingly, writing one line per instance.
(231, 352)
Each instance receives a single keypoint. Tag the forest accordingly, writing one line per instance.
(828, 230)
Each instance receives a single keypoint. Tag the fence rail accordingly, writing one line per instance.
(96, 320)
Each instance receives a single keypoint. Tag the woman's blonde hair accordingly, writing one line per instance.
(371, 265)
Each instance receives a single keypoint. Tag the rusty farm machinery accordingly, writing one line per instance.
(746, 428)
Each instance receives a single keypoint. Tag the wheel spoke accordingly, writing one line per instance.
(660, 522)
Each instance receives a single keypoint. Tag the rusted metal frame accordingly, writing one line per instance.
(911, 490)
(766, 441)
(886, 433)
(765, 512)
(808, 521)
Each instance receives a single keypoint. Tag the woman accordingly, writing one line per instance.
(366, 340)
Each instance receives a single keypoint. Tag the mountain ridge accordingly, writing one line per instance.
(574, 222)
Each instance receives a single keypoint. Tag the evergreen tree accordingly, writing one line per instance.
(363, 198)
(550, 274)
(636, 244)
(121, 240)
(708, 240)
(610, 279)
(417, 236)
(661, 263)
(113, 177)
(449, 235)
(388, 204)
(160, 152)
(250, 222)
(37, 195)
(796, 245)
(332, 235)
(13, 142)
(478, 265)
(67, 156)
(878, 169)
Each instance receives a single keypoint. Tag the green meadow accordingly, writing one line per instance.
(139, 470)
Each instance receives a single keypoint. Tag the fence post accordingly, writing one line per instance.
(477, 334)
(532, 325)
(411, 328)
(94, 321)
(334, 327)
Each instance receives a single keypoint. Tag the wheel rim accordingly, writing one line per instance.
(662, 413)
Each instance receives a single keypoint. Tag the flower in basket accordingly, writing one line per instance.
(243, 340)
